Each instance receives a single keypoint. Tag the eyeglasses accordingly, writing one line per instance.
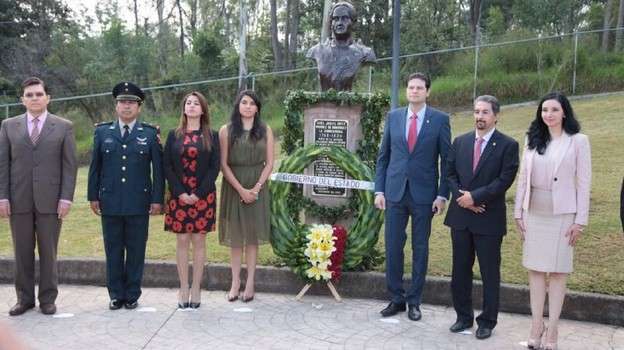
(33, 94)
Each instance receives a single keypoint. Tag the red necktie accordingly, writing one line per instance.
(477, 153)
(412, 134)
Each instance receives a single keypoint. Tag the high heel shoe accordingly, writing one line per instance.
(247, 299)
(182, 301)
(551, 345)
(536, 343)
(195, 304)
(232, 298)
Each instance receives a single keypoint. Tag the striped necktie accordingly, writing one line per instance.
(34, 134)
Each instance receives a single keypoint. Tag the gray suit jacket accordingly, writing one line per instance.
(37, 176)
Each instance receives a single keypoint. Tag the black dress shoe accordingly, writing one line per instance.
(48, 309)
(483, 333)
(392, 309)
(183, 305)
(19, 309)
(193, 305)
(245, 299)
(460, 326)
(413, 312)
(131, 304)
(115, 304)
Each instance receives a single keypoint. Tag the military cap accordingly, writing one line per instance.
(126, 91)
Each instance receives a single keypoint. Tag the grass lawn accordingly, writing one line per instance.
(599, 257)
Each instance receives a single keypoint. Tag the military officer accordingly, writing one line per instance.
(126, 184)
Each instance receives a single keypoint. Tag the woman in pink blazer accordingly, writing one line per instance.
(551, 208)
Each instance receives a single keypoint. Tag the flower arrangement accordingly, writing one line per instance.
(324, 251)
(340, 242)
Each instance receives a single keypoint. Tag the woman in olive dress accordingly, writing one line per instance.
(246, 162)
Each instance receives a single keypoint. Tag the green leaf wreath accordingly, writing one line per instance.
(287, 200)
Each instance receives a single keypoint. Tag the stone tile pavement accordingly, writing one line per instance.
(271, 321)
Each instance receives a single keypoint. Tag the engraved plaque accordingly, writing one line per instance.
(329, 133)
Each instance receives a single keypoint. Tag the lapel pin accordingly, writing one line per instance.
(493, 143)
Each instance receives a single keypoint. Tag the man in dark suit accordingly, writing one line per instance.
(37, 181)
(482, 164)
(126, 184)
(406, 184)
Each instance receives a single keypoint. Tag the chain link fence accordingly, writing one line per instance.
(514, 71)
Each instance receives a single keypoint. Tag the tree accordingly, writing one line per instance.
(242, 52)
(550, 16)
(619, 31)
(294, 32)
(163, 30)
(136, 18)
(179, 5)
(495, 23)
(475, 20)
(193, 17)
(208, 46)
(606, 25)
(275, 44)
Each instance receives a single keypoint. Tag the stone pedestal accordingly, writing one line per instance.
(329, 124)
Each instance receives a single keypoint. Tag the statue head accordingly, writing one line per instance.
(343, 17)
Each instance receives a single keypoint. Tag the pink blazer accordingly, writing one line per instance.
(571, 183)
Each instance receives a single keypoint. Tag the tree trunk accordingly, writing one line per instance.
(242, 55)
(136, 19)
(162, 38)
(178, 4)
(620, 23)
(225, 15)
(287, 34)
(606, 24)
(475, 19)
(294, 29)
(277, 54)
(193, 19)
(325, 29)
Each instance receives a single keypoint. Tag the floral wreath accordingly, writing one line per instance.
(290, 239)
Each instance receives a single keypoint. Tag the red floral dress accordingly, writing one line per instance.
(199, 217)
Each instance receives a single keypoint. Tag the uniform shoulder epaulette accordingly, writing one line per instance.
(97, 125)
(150, 125)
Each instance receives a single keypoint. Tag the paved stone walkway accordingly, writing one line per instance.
(271, 321)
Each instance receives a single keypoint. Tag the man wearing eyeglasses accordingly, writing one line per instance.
(37, 181)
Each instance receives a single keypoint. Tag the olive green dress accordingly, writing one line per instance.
(243, 224)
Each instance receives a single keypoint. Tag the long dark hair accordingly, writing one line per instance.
(204, 120)
(258, 130)
(538, 134)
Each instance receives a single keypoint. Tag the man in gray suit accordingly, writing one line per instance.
(37, 182)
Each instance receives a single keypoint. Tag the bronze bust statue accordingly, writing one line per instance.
(338, 59)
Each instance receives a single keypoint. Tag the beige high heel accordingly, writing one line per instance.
(550, 345)
(536, 343)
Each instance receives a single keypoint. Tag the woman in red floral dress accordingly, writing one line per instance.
(191, 161)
